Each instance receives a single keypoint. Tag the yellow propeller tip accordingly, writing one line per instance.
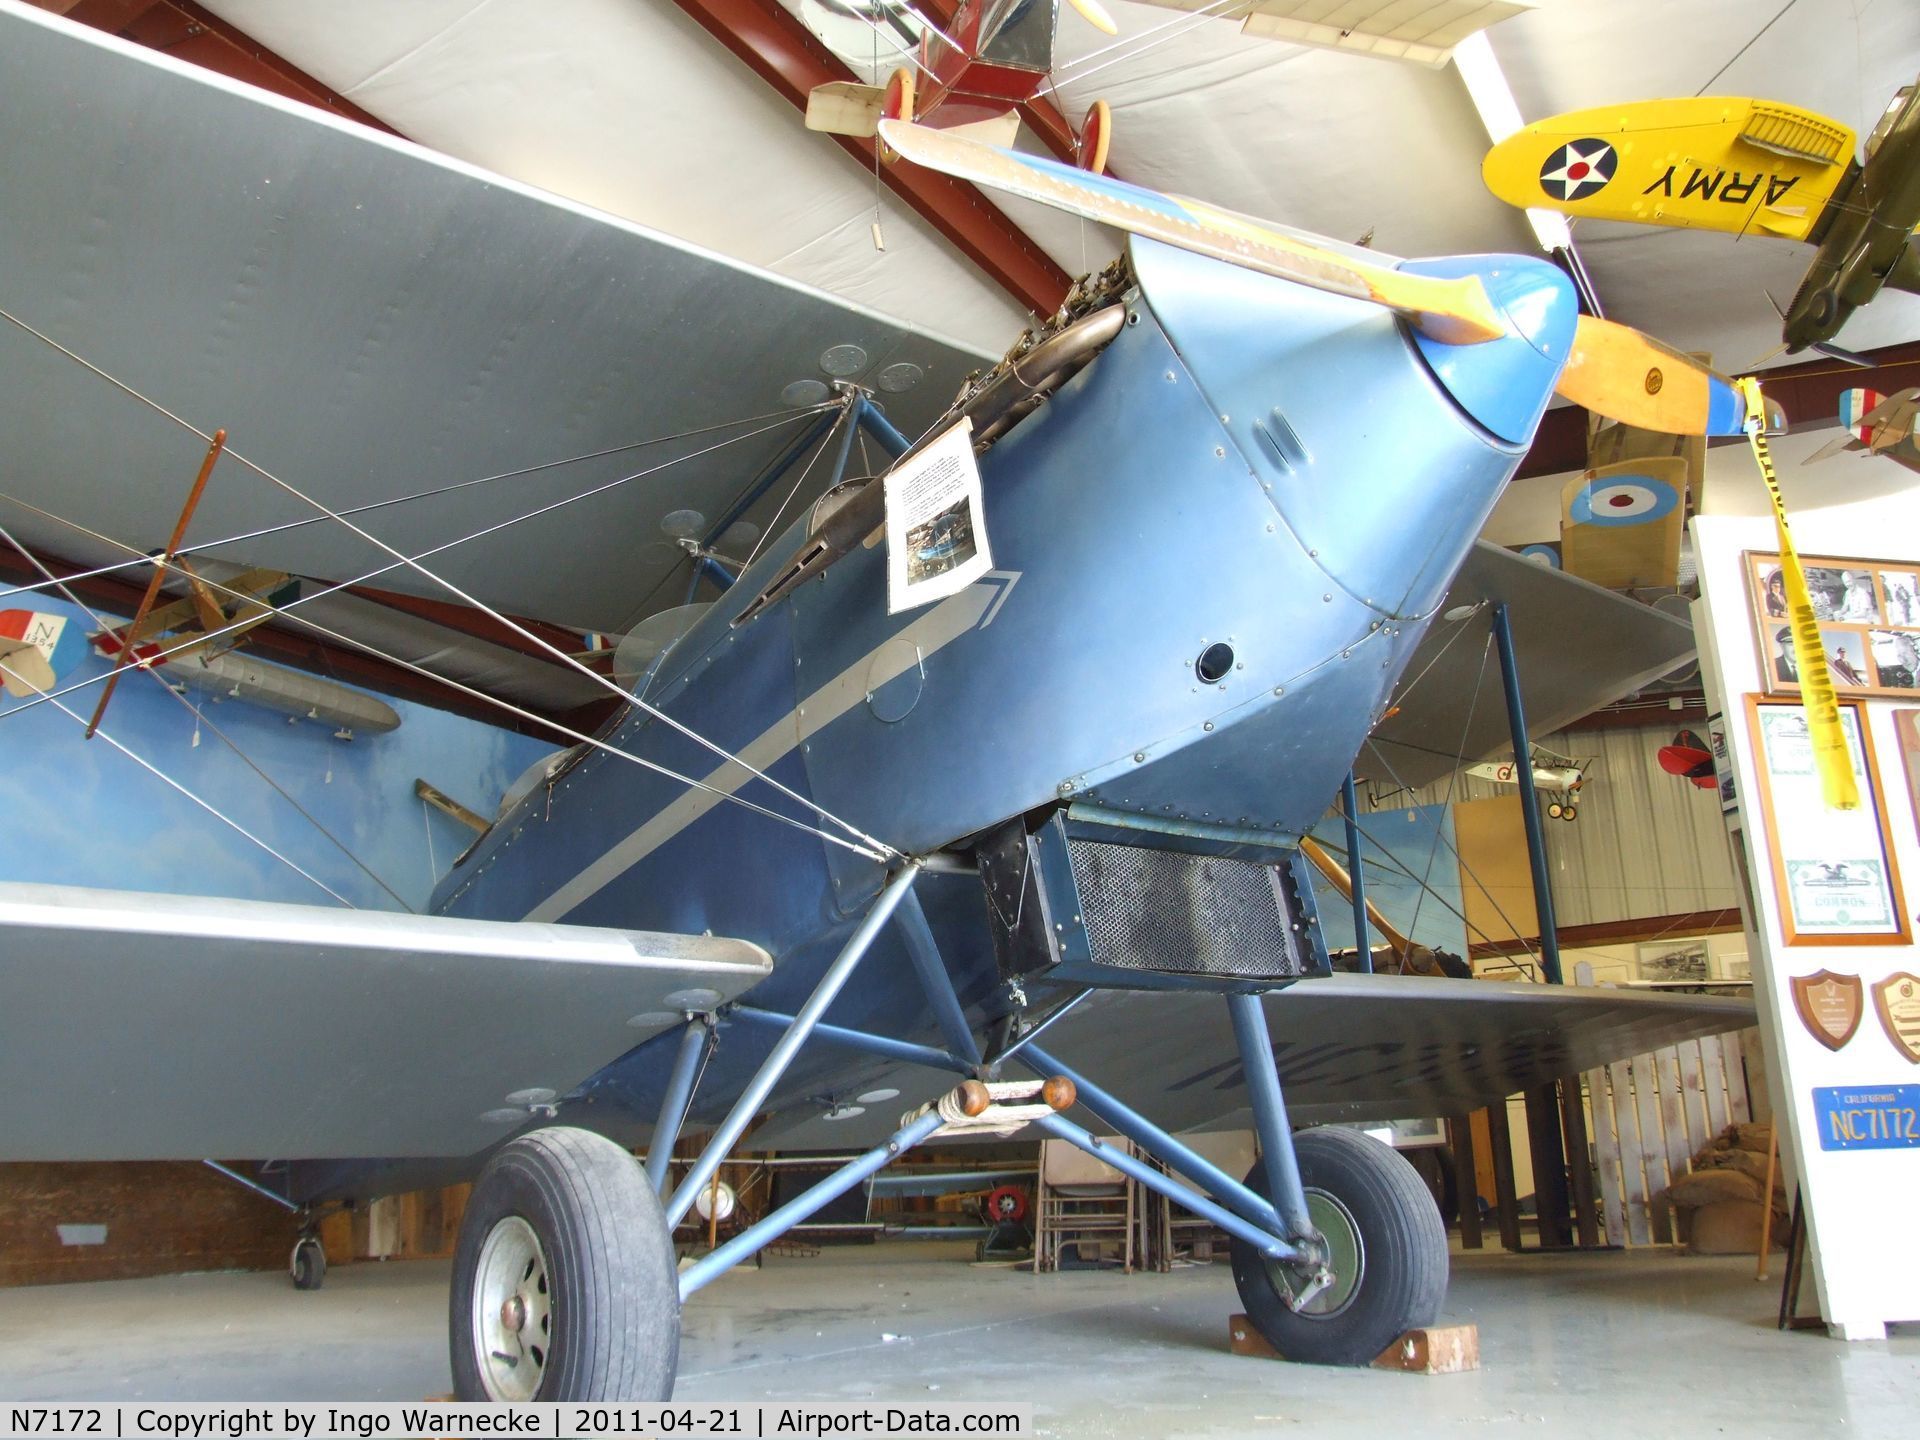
(1095, 14)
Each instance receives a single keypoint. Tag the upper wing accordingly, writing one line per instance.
(1712, 163)
(1349, 1047)
(1579, 647)
(145, 1027)
(369, 319)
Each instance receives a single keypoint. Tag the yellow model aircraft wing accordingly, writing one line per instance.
(1711, 163)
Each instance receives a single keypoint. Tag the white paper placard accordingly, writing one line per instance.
(936, 532)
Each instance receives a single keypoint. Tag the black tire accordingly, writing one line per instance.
(1402, 1253)
(603, 1271)
(309, 1264)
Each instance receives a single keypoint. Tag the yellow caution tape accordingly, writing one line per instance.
(1830, 754)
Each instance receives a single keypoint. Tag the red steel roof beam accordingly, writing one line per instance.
(785, 54)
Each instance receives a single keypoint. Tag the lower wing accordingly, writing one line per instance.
(144, 1027)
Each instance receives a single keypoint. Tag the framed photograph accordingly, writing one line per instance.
(1833, 870)
(1666, 960)
(1869, 614)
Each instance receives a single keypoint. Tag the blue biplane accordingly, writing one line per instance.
(1024, 859)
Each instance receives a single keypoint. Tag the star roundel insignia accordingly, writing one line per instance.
(1578, 169)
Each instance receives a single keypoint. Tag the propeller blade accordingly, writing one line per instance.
(1842, 354)
(1095, 14)
(1456, 311)
(1627, 376)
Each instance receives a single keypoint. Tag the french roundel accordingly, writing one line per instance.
(1624, 500)
(1578, 169)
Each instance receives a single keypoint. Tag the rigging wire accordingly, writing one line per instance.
(1453, 775)
(481, 696)
(200, 718)
(1400, 866)
(160, 774)
(374, 574)
(777, 416)
(826, 442)
(1189, 21)
(624, 696)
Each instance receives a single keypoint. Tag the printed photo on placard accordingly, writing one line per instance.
(1846, 656)
(1869, 613)
(1833, 870)
(1896, 658)
(1902, 590)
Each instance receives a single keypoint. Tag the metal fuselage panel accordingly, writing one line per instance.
(1249, 462)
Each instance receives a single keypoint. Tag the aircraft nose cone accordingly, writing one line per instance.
(1505, 384)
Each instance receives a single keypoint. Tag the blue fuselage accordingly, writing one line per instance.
(1248, 464)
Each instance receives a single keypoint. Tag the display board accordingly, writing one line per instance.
(1836, 973)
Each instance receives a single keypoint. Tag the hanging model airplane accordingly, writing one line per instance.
(976, 71)
(1876, 424)
(1743, 166)
(1558, 777)
(836, 861)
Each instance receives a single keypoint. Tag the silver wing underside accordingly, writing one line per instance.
(1580, 647)
(368, 319)
(1350, 1047)
(146, 1027)
(162, 1027)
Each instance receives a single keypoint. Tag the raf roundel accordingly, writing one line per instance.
(1624, 500)
(1578, 169)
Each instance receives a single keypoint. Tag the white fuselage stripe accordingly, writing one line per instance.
(934, 630)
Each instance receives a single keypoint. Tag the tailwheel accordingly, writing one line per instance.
(308, 1265)
(1386, 1253)
(564, 1279)
(1096, 134)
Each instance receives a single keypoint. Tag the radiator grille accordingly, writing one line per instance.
(1187, 914)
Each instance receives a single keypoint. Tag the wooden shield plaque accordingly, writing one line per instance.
(1830, 1006)
(1897, 998)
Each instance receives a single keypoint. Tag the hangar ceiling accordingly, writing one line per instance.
(630, 106)
(680, 116)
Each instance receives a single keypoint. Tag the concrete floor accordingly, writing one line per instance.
(1602, 1345)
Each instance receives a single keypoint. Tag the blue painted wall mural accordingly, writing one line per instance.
(1412, 838)
(77, 812)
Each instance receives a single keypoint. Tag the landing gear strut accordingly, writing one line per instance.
(308, 1263)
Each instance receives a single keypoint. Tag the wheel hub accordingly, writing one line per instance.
(1326, 1280)
(512, 1311)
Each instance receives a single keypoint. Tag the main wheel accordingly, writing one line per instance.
(308, 1266)
(564, 1280)
(1386, 1248)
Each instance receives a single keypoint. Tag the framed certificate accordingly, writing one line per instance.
(1832, 869)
